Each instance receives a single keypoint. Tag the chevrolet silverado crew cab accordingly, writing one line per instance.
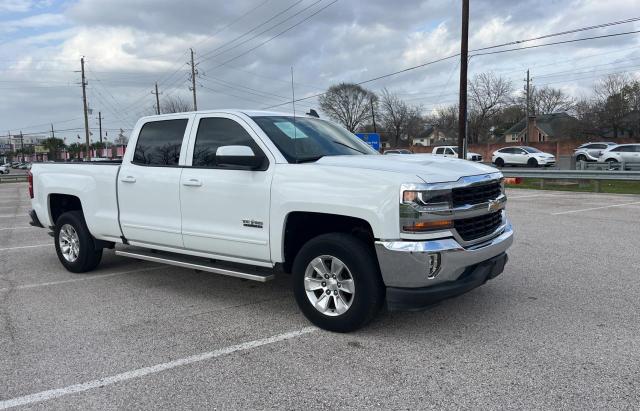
(251, 194)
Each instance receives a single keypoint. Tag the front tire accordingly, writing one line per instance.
(75, 245)
(581, 157)
(337, 282)
(532, 163)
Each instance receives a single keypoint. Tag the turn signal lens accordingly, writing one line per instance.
(419, 226)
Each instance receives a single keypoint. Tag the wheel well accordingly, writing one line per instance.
(61, 203)
(301, 227)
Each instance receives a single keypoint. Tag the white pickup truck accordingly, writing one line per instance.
(251, 194)
(452, 151)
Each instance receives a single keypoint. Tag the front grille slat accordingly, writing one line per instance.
(476, 194)
(476, 227)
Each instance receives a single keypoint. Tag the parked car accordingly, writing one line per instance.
(623, 152)
(523, 156)
(235, 193)
(24, 166)
(4, 169)
(591, 151)
(398, 151)
(15, 164)
(452, 151)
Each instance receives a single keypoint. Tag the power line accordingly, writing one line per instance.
(562, 33)
(473, 55)
(277, 35)
(207, 55)
(556, 43)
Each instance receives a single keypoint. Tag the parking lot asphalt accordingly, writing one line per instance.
(559, 328)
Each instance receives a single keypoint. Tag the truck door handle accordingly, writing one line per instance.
(192, 182)
(128, 179)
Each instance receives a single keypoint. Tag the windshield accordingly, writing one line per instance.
(531, 150)
(309, 139)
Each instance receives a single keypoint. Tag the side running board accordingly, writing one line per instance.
(198, 263)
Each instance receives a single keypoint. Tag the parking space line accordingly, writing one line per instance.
(595, 208)
(154, 369)
(73, 280)
(25, 246)
(15, 228)
(532, 195)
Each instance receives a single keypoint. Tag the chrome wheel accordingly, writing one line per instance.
(329, 285)
(69, 243)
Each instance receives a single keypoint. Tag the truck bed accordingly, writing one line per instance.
(94, 186)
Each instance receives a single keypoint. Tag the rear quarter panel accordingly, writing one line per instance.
(93, 184)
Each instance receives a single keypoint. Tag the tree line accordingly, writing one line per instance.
(494, 106)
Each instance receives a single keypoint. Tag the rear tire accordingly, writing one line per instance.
(532, 162)
(499, 162)
(74, 243)
(340, 257)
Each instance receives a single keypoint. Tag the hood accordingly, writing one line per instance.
(543, 155)
(430, 168)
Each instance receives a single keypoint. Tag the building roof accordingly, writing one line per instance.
(552, 125)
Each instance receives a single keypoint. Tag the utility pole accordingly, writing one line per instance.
(86, 115)
(100, 124)
(157, 99)
(193, 82)
(526, 121)
(373, 116)
(53, 133)
(22, 145)
(464, 53)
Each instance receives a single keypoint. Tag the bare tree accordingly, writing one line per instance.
(446, 120)
(349, 104)
(175, 104)
(395, 114)
(611, 99)
(547, 100)
(488, 94)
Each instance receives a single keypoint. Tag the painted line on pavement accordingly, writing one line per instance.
(73, 280)
(595, 208)
(25, 246)
(17, 228)
(532, 195)
(154, 369)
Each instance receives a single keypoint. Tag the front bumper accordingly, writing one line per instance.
(404, 265)
(407, 299)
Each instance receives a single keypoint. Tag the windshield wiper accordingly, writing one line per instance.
(308, 159)
(348, 146)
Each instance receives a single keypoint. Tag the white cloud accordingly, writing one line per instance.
(130, 44)
(36, 21)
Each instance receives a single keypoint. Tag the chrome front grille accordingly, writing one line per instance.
(476, 194)
(473, 228)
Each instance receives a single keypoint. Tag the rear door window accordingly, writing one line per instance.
(159, 143)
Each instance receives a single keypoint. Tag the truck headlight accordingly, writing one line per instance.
(419, 210)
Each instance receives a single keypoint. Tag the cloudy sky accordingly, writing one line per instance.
(245, 50)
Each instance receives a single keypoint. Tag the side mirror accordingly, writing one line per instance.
(238, 156)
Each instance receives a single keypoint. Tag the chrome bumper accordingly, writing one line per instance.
(406, 263)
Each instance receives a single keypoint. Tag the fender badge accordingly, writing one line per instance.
(252, 223)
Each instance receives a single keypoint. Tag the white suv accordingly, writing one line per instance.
(628, 153)
(523, 156)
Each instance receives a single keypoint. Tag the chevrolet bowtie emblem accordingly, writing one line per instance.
(494, 205)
